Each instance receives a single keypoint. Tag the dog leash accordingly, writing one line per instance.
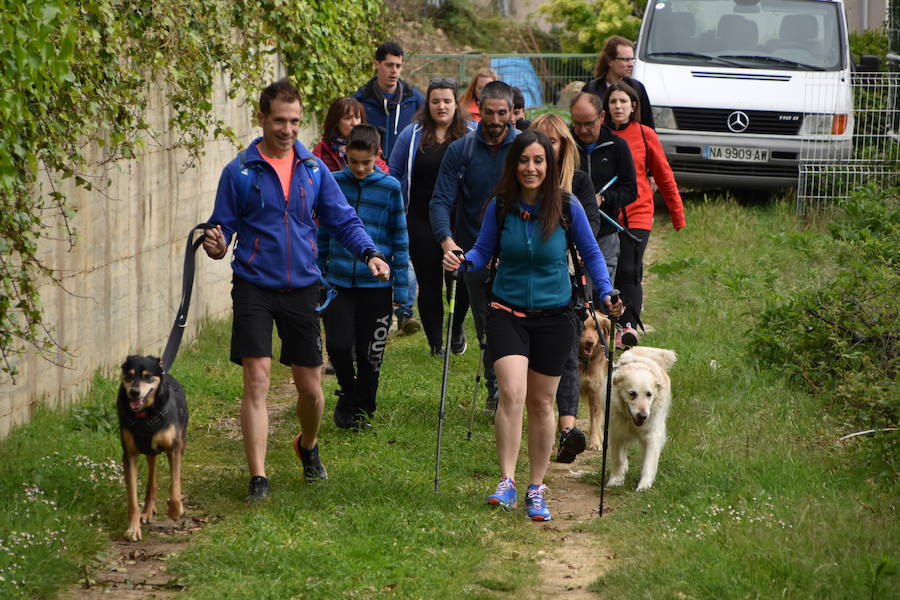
(187, 285)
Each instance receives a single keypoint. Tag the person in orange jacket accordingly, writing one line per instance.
(471, 97)
(621, 106)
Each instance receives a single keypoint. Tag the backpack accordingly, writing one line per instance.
(468, 151)
(249, 175)
(581, 291)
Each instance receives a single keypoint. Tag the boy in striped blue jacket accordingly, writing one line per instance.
(358, 319)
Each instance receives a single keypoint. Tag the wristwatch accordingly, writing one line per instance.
(370, 254)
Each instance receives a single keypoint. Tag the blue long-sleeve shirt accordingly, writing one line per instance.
(533, 271)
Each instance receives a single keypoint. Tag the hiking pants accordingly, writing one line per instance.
(629, 274)
(358, 318)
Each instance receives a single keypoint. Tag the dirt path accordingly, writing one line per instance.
(573, 556)
(137, 570)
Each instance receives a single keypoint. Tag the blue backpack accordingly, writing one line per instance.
(248, 179)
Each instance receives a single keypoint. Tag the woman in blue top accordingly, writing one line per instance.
(530, 324)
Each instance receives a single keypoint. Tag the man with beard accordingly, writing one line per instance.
(469, 172)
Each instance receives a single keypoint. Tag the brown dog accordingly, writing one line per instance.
(153, 418)
(592, 374)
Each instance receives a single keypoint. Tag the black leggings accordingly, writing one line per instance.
(629, 274)
(358, 318)
(425, 254)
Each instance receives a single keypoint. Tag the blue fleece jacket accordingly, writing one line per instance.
(481, 177)
(276, 237)
(533, 272)
(378, 202)
(403, 155)
(390, 116)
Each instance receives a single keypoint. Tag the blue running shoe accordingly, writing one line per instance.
(535, 507)
(505, 495)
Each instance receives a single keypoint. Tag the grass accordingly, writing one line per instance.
(755, 497)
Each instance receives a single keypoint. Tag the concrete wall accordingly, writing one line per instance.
(121, 282)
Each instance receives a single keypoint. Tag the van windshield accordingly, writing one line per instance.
(774, 34)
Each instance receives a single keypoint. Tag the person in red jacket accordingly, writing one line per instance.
(621, 106)
(343, 115)
(472, 96)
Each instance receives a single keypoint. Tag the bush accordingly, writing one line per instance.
(840, 340)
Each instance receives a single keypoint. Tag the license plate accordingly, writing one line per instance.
(735, 153)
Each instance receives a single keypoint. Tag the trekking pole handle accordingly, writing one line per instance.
(455, 273)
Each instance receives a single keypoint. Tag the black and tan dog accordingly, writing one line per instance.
(153, 418)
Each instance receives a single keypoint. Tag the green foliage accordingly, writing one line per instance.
(839, 338)
(583, 26)
(873, 42)
(481, 26)
(73, 73)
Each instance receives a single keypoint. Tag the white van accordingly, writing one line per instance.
(738, 86)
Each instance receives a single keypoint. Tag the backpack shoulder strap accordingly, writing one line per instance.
(246, 179)
(315, 173)
(468, 151)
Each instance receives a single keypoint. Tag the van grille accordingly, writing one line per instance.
(716, 119)
(726, 168)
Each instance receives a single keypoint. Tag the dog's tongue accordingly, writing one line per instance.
(136, 405)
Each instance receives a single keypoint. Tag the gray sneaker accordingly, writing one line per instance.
(459, 344)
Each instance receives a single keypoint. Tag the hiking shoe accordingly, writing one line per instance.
(535, 507)
(408, 324)
(329, 368)
(361, 423)
(505, 494)
(629, 336)
(343, 410)
(313, 469)
(437, 351)
(571, 443)
(459, 344)
(259, 489)
(490, 406)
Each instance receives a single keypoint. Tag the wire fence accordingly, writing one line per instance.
(541, 77)
(868, 150)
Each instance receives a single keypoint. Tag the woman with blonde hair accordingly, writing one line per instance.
(470, 97)
(572, 440)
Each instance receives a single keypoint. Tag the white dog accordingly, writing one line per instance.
(639, 406)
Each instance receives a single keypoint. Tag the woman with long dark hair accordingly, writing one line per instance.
(415, 161)
(621, 107)
(530, 324)
(572, 440)
(343, 115)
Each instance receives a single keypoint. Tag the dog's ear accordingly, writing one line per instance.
(605, 327)
(128, 359)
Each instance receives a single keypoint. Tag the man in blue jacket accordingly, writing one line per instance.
(267, 196)
(390, 102)
(469, 172)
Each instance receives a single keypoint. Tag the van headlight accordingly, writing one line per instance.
(664, 117)
(824, 124)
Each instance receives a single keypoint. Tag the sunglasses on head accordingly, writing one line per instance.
(442, 82)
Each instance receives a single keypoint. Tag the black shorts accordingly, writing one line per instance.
(546, 341)
(294, 313)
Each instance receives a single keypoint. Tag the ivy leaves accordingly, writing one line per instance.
(80, 71)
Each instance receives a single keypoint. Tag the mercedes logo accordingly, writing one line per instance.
(738, 121)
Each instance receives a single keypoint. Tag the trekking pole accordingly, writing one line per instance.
(612, 221)
(613, 297)
(479, 369)
(454, 281)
